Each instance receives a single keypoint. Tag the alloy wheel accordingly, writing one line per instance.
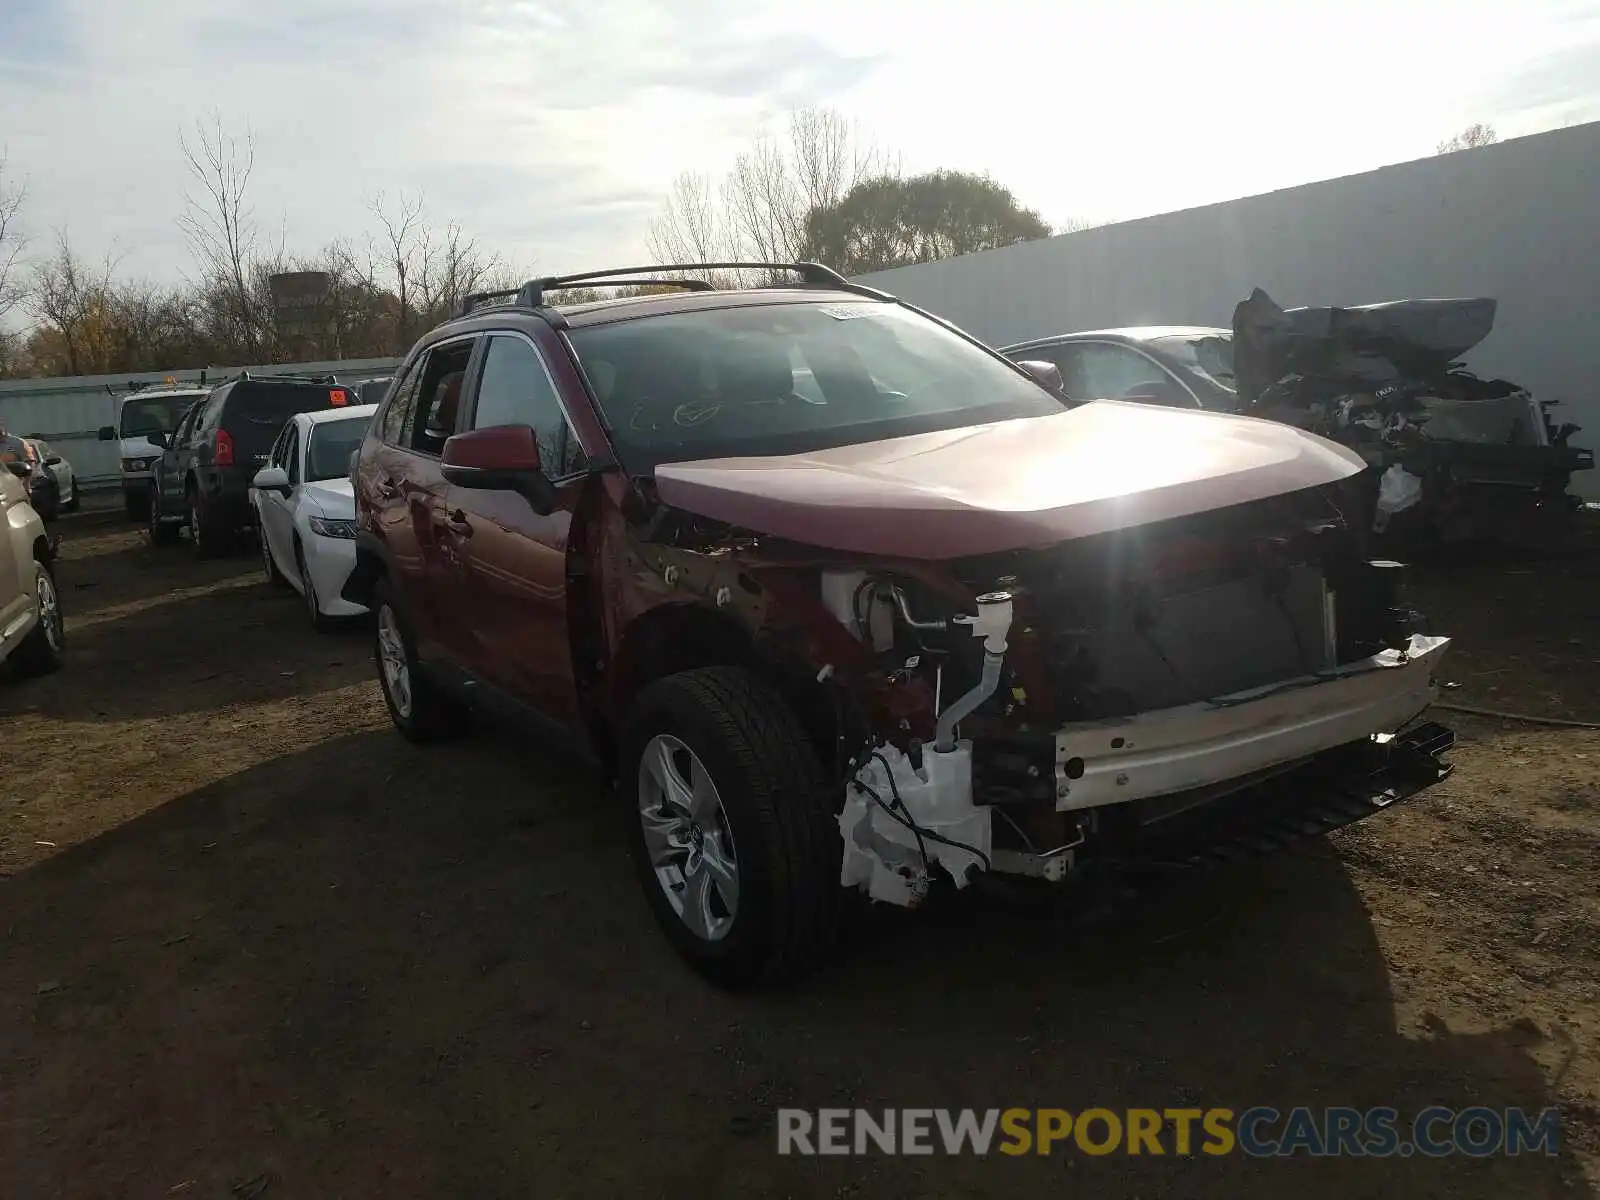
(687, 837)
(49, 610)
(393, 663)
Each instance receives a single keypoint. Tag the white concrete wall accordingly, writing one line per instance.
(1519, 221)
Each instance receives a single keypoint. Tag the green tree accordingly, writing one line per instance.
(894, 222)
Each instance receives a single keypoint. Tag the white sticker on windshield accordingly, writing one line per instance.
(844, 312)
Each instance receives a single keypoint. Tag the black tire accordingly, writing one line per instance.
(781, 813)
(162, 533)
(320, 621)
(137, 506)
(208, 537)
(42, 651)
(432, 715)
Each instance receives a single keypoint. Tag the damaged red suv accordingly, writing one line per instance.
(845, 601)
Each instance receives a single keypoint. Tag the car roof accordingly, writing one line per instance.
(623, 308)
(322, 416)
(1127, 333)
(163, 392)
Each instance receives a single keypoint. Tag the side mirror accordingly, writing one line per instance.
(53, 461)
(19, 468)
(502, 458)
(272, 479)
(157, 437)
(1046, 374)
(108, 433)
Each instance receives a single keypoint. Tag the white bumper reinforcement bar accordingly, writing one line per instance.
(1211, 742)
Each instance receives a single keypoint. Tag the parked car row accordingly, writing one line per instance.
(47, 477)
(258, 456)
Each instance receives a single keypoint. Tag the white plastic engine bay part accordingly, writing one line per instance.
(881, 855)
(865, 611)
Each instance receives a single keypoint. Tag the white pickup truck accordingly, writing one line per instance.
(146, 411)
(31, 629)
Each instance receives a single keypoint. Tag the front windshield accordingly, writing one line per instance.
(332, 443)
(155, 414)
(789, 378)
(1210, 355)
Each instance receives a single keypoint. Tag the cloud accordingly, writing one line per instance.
(1561, 84)
(551, 129)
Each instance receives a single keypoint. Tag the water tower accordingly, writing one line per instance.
(299, 300)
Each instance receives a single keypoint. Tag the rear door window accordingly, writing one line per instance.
(436, 413)
(396, 414)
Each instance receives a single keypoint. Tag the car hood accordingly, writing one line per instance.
(1009, 485)
(139, 447)
(335, 497)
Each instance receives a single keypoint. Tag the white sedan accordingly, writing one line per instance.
(306, 510)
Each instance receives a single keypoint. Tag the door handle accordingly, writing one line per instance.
(458, 524)
(387, 488)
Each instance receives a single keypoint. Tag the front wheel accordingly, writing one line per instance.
(732, 826)
(320, 621)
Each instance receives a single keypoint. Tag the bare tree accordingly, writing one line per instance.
(689, 228)
(400, 247)
(72, 297)
(12, 244)
(452, 265)
(219, 225)
(1470, 138)
(759, 210)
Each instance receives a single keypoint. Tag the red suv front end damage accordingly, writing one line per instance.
(848, 602)
(1131, 671)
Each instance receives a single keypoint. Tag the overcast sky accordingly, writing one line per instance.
(552, 129)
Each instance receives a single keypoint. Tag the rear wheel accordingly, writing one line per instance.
(42, 650)
(161, 532)
(733, 827)
(208, 537)
(420, 709)
(137, 505)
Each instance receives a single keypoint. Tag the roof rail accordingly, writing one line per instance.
(328, 379)
(532, 293)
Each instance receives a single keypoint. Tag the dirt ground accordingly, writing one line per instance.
(253, 944)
